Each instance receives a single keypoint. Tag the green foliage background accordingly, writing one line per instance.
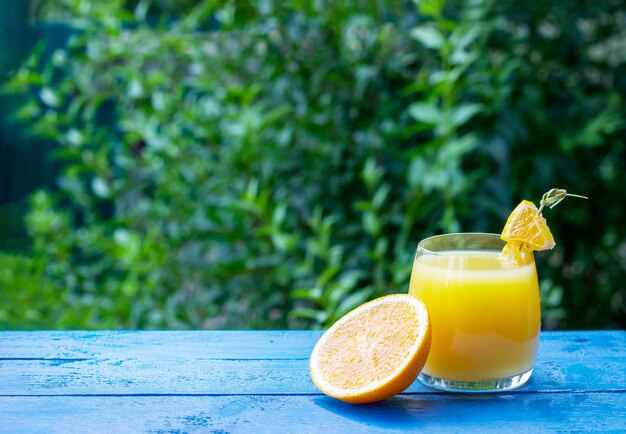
(274, 164)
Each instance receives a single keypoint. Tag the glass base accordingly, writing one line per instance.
(500, 385)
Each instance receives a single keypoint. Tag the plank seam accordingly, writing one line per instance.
(106, 359)
(157, 395)
(47, 359)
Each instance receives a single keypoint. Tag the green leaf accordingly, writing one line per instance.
(463, 113)
(327, 275)
(284, 242)
(381, 195)
(310, 294)
(425, 112)
(371, 223)
(49, 97)
(431, 8)
(417, 171)
(136, 89)
(141, 10)
(380, 247)
(430, 37)
(273, 116)
(371, 173)
(74, 137)
(457, 147)
(463, 36)
(346, 285)
(278, 216)
(593, 132)
(100, 187)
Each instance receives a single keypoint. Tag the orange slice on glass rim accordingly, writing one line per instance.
(373, 352)
(526, 229)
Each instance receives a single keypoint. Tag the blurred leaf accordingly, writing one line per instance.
(214, 156)
(432, 8)
(100, 187)
(49, 97)
(428, 36)
(310, 294)
(594, 131)
(463, 113)
(425, 112)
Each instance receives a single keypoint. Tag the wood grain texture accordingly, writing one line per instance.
(540, 413)
(177, 375)
(245, 344)
(179, 382)
(132, 344)
(235, 363)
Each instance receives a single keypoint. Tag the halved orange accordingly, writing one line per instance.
(373, 352)
(526, 229)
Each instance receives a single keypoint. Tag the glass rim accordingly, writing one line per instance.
(421, 248)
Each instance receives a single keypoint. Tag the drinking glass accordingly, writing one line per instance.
(484, 310)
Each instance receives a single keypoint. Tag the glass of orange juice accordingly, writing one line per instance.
(484, 311)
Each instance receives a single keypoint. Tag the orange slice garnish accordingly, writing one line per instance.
(373, 352)
(527, 229)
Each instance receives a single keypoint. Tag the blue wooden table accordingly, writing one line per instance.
(209, 381)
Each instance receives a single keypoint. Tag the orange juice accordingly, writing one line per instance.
(484, 310)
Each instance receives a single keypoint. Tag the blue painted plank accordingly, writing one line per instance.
(169, 376)
(245, 344)
(131, 344)
(567, 362)
(578, 412)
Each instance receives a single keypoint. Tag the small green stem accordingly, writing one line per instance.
(554, 196)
